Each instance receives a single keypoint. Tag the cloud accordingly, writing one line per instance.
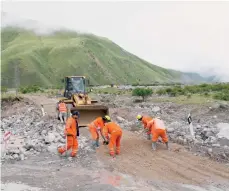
(187, 36)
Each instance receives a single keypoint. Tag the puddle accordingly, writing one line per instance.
(17, 187)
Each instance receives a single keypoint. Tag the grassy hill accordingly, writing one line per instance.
(44, 60)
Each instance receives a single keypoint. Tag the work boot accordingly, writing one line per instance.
(154, 146)
(167, 145)
(94, 145)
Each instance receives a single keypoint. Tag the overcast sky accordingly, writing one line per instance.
(186, 36)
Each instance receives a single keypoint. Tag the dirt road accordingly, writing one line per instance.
(176, 166)
(137, 168)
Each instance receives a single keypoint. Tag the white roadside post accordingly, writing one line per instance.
(191, 126)
(42, 110)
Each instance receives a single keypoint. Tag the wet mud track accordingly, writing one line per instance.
(137, 168)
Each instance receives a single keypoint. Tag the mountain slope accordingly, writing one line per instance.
(45, 59)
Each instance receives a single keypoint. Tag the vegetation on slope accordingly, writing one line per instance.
(218, 91)
(44, 60)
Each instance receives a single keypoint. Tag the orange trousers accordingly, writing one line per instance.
(115, 141)
(72, 143)
(94, 132)
(159, 133)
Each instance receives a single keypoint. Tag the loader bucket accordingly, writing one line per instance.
(88, 113)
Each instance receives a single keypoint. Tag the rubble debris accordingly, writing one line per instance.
(33, 134)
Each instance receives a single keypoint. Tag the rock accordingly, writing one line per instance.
(215, 106)
(170, 130)
(176, 125)
(43, 132)
(22, 157)
(120, 119)
(198, 127)
(209, 151)
(16, 156)
(223, 130)
(223, 141)
(156, 109)
(211, 140)
(224, 106)
(216, 145)
(50, 138)
(52, 148)
(62, 140)
(209, 134)
(70, 159)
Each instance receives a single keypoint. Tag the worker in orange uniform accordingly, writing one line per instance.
(158, 129)
(71, 132)
(115, 132)
(62, 111)
(145, 120)
(96, 127)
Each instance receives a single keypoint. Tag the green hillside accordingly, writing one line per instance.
(44, 60)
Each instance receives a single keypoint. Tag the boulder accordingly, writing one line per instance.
(120, 119)
(50, 138)
(223, 130)
(156, 109)
(170, 130)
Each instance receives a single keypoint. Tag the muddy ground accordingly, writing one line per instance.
(137, 168)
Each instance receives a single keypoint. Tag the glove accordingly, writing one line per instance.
(105, 142)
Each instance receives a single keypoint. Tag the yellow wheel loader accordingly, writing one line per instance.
(76, 98)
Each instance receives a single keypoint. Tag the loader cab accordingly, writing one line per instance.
(74, 85)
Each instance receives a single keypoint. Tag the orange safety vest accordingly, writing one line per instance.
(98, 123)
(156, 124)
(110, 128)
(62, 107)
(71, 127)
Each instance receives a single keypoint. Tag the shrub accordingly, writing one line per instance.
(161, 92)
(142, 92)
(10, 98)
(224, 95)
(3, 89)
(30, 89)
(189, 95)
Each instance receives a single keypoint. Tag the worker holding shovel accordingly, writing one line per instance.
(71, 132)
(145, 120)
(114, 140)
(96, 128)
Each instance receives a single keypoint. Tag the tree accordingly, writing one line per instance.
(142, 92)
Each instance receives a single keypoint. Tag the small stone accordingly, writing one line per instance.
(198, 126)
(15, 156)
(22, 156)
(120, 119)
(70, 159)
(156, 109)
(209, 150)
(216, 145)
(170, 130)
